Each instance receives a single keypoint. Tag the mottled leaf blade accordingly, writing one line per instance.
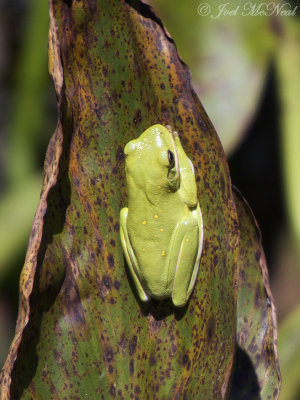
(257, 373)
(82, 331)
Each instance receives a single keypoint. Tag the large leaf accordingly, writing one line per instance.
(257, 372)
(81, 330)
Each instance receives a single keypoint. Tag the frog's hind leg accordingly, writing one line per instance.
(129, 255)
(197, 213)
(189, 242)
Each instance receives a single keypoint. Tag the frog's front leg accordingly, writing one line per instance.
(129, 254)
(186, 253)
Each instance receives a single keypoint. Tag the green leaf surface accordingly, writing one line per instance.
(257, 372)
(81, 330)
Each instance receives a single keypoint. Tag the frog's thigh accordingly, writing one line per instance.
(129, 254)
(185, 249)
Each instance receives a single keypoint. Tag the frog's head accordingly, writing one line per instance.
(152, 161)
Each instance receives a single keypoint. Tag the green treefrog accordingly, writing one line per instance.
(161, 229)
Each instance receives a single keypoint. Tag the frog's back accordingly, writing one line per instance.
(151, 244)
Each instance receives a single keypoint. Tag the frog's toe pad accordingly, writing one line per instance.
(180, 301)
(144, 297)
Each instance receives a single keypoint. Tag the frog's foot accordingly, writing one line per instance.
(129, 255)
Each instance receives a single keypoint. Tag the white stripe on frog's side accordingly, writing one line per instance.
(192, 166)
(200, 244)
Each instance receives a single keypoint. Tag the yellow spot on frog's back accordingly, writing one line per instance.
(187, 240)
(155, 216)
(163, 253)
(158, 187)
(144, 249)
(144, 222)
(155, 236)
(161, 229)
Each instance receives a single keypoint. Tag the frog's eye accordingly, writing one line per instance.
(171, 158)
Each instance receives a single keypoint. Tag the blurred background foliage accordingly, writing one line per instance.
(246, 71)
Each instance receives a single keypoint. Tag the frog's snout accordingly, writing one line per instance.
(128, 149)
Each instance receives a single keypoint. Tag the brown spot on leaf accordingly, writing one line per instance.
(110, 260)
(211, 327)
(131, 367)
(137, 389)
(215, 260)
(257, 296)
(253, 346)
(107, 282)
(117, 284)
(132, 345)
(108, 354)
(106, 44)
(196, 148)
(105, 71)
(152, 360)
(113, 390)
(120, 154)
(137, 118)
